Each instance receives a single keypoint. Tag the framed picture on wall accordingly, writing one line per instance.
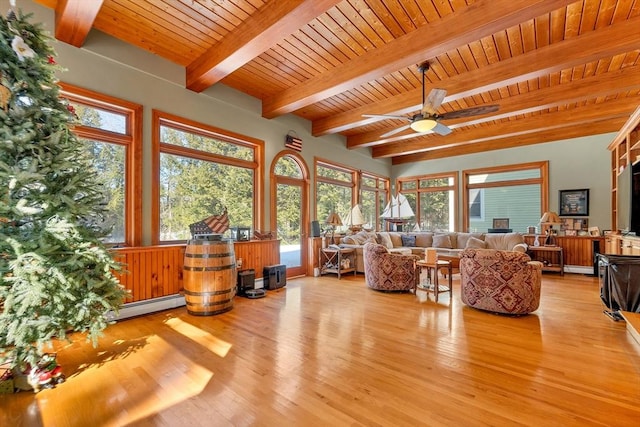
(574, 202)
(501, 223)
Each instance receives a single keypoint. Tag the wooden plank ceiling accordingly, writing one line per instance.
(556, 69)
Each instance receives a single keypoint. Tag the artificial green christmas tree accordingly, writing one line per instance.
(56, 275)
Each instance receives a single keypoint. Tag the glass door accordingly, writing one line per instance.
(290, 213)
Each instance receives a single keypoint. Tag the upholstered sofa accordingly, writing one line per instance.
(449, 244)
(388, 271)
(500, 281)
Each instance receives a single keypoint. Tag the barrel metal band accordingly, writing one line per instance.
(199, 294)
(220, 268)
(223, 255)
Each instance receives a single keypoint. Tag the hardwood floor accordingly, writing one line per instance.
(324, 351)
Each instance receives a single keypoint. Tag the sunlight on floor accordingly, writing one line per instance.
(127, 389)
(205, 339)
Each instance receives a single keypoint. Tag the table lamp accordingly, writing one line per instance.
(334, 221)
(548, 220)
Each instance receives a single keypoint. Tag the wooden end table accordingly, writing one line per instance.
(331, 261)
(551, 257)
(435, 267)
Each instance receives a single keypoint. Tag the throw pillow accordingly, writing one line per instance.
(475, 243)
(442, 241)
(348, 240)
(408, 241)
(385, 240)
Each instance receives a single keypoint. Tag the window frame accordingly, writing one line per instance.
(131, 140)
(160, 118)
(355, 184)
(417, 190)
(543, 181)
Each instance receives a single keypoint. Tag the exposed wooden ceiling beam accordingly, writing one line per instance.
(585, 90)
(481, 19)
(74, 19)
(541, 122)
(272, 23)
(591, 46)
(574, 131)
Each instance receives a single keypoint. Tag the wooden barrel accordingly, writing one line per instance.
(209, 276)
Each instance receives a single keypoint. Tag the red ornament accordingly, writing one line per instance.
(51, 60)
(71, 109)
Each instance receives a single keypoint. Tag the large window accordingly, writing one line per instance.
(374, 193)
(433, 201)
(339, 188)
(201, 171)
(514, 192)
(111, 129)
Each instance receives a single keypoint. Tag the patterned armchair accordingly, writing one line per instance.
(500, 281)
(385, 271)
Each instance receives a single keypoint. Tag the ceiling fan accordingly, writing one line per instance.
(428, 119)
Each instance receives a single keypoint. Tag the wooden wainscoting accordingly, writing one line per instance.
(151, 271)
(156, 271)
(256, 254)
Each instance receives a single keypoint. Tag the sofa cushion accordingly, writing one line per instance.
(361, 237)
(463, 238)
(385, 240)
(424, 240)
(442, 241)
(474, 242)
(408, 241)
(503, 241)
(349, 240)
(396, 239)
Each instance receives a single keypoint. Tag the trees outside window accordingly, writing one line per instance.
(111, 130)
(339, 188)
(518, 192)
(374, 193)
(202, 171)
(433, 200)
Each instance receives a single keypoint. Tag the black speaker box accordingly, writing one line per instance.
(274, 276)
(315, 229)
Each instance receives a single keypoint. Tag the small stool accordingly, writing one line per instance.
(435, 266)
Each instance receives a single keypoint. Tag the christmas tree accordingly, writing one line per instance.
(56, 275)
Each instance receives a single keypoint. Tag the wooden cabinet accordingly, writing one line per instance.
(576, 250)
(625, 151)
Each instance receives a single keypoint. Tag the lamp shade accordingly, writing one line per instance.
(550, 218)
(423, 125)
(334, 219)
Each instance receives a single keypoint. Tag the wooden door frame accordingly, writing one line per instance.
(304, 183)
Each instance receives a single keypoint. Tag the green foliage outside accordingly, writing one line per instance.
(192, 189)
(56, 275)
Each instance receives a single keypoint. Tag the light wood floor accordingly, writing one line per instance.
(324, 352)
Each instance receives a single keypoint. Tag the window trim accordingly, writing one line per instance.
(131, 140)
(543, 181)
(355, 184)
(160, 118)
(439, 175)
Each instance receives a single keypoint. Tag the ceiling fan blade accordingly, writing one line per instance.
(433, 102)
(441, 129)
(396, 130)
(468, 112)
(384, 116)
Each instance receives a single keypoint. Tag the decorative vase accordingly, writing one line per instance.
(536, 242)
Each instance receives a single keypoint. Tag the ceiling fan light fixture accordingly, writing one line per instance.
(423, 125)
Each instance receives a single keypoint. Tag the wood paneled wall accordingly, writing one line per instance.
(156, 271)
